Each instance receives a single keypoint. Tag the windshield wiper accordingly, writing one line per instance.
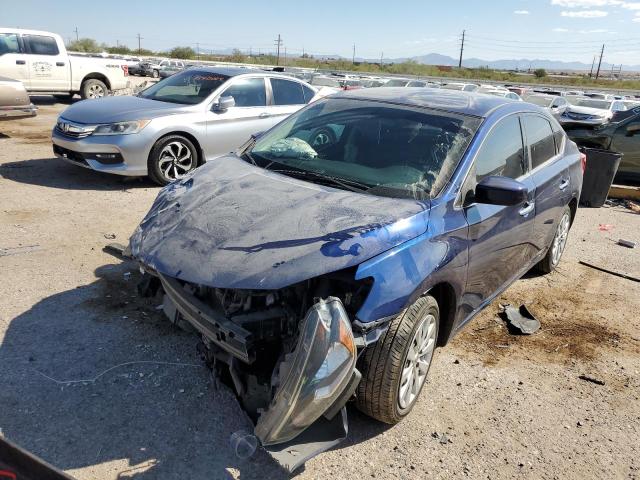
(343, 183)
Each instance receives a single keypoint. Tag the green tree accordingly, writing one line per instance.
(88, 45)
(120, 49)
(185, 53)
(540, 73)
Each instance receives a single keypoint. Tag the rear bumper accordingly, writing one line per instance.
(16, 112)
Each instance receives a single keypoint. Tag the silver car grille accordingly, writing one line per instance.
(74, 130)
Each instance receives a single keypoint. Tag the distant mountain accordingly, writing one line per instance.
(510, 64)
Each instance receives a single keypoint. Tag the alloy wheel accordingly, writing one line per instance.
(416, 365)
(560, 240)
(96, 91)
(175, 160)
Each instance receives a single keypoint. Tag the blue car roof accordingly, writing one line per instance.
(476, 104)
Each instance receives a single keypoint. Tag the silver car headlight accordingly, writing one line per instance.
(313, 376)
(121, 128)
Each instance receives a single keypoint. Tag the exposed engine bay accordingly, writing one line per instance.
(288, 354)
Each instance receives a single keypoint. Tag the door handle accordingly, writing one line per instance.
(264, 115)
(563, 184)
(59, 64)
(527, 209)
(20, 62)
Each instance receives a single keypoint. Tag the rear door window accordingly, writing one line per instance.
(286, 92)
(247, 92)
(540, 139)
(502, 152)
(41, 45)
(9, 43)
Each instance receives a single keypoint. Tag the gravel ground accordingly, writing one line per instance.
(93, 379)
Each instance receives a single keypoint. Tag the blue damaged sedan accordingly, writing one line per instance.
(329, 257)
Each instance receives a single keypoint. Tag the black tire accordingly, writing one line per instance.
(382, 364)
(155, 74)
(550, 262)
(159, 157)
(93, 88)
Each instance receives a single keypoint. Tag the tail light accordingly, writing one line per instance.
(583, 162)
(125, 70)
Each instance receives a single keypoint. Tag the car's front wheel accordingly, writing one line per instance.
(155, 74)
(395, 368)
(554, 254)
(171, 158)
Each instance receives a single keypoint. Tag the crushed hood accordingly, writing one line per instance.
(120, 109)
(234, 225)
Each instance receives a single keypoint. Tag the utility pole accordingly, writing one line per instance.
(593, 64)
(285, 56)
(197, 51)
(278, 43)
(353, 58)
(600, 62)
(381, 55)
(76, 30)
(461, 48)
(139, 49)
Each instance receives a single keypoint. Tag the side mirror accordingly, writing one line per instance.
(633, 130)
(496, 190)
(223, 104)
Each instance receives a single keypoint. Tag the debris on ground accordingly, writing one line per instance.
(587, 378)
(441, 437)
(5, 252)
(605, 227)
(627, 243)
(634, 207)
(118, 250)
(520, 320)
(610, 272)
(110, 236)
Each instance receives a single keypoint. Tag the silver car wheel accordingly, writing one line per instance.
(175, 160)
(96, 91)
(416, 365)
(560, 240)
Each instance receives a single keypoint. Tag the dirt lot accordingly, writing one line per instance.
(94, 380)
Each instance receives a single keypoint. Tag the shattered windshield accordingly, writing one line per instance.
(367, 146)
(187, 87)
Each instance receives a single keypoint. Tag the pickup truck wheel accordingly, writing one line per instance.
(171, 158)
(554, 254)
(395, 368)
(155, 74)
(93, 88)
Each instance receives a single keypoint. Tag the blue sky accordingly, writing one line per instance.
(555, 29)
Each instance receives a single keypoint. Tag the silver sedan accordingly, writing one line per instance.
(177, 124)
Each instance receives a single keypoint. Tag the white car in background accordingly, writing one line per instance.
(41, 62)
(465, 87)
(554, 104)
(591, 111)
(498, 91)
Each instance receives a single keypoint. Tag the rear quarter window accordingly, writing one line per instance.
(41, 45)
(286, 92)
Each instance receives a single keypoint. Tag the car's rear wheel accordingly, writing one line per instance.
(171, 158)
(93, 88)
(155, 74)
(395, 368)
(558, 244)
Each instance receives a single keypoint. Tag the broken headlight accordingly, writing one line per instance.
(313, 376)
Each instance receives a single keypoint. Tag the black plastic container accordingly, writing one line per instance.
(602, 166)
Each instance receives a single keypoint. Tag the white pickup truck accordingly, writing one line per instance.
(41, 62)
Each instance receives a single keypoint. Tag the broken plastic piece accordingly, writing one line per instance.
(521, 320)
(244, 444)
(605, 227)
(627, 243)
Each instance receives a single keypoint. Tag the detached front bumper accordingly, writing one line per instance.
(313, 382)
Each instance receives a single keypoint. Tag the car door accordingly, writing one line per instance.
(499, 236)
(13, 61)
(48, 68)
(550, 174)
(227, 130)
(287, 97)
(626, 140)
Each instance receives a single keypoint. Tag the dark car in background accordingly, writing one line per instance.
(622, 136)
(318, 270)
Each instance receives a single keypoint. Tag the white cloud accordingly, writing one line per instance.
(584, 14)
(596, 3)
(522, 12)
